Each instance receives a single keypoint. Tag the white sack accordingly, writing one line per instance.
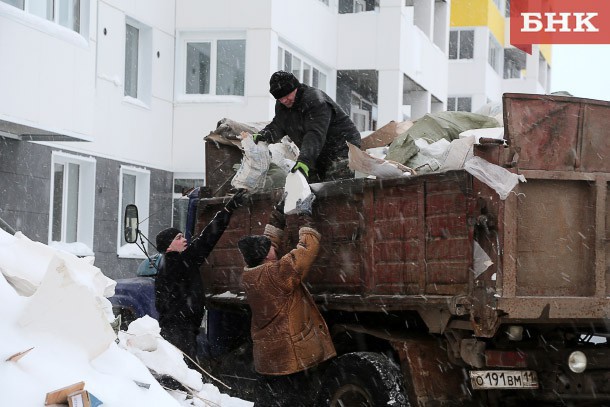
(365, 163)
(252, 172)
(284, 154)
(496, 177)
(296, 188)
(459, 152)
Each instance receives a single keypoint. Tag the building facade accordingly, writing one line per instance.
(482, 63)
(106, 102)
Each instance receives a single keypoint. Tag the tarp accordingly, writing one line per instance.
(433, 127)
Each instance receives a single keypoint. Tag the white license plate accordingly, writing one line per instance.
(503, 379)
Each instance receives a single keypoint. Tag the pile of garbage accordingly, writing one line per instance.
(438, 142)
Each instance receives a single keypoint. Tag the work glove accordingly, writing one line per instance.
(304, 207)
(277, 217)
(260, 136)
(301, 166)
(236, 200)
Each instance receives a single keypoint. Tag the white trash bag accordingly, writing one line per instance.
(284, 154)
(296, 189)
(496, 177)
(252, 172)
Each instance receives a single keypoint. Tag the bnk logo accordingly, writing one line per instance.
(559, 22)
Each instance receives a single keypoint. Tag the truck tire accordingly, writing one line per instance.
(364, 379)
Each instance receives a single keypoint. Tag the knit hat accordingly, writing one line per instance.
(282, 83)
(254, 249)
(165, 237)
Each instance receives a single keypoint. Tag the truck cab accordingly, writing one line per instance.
(135, 297)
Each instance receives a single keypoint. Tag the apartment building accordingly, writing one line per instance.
(482, 63)
(106, 102)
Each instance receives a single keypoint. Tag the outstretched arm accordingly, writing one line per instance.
(202, 245)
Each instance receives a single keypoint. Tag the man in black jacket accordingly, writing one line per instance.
(178, 287)
(315, 123)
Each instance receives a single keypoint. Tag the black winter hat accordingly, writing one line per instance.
(254, 249)
(282, 83)
(165, 237)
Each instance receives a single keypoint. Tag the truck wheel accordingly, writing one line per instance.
(364, 379)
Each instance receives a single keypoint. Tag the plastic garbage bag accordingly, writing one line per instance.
(284, 154)
(252, 172)
(296, 189)
(496, 177)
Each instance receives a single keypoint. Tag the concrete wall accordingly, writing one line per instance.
(25, 182)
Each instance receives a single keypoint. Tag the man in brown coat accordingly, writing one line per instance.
(288, 332)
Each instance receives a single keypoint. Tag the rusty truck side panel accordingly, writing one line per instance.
(386, 244)
(556, 224)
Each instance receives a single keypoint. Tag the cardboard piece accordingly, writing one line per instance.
(83, 398)
(385, 135)
(60, 396)
(364, 163)
(18, 355)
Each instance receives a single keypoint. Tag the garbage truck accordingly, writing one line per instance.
(437, 291)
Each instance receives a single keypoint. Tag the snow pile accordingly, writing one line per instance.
(55, 304)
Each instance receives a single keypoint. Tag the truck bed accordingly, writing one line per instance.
(407, 243)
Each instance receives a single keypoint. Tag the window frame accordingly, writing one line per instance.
(312, 70)
(457, 103)
(144, 71)
(495, 52)
(184, 38)
(23, 13)
(459, 32)
(142, 201)
(85, 203)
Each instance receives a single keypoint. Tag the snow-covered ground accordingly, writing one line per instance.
(55, 304)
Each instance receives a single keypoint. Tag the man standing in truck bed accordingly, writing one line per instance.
(315, 123)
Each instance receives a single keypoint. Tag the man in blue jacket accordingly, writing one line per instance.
(315, 123)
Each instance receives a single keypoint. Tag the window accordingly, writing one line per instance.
(514, 63)
(459, 104)
(72, 203)
(318, 80)
(215, 66)
(134, 188)
(359, 6)
(66, 13)
(361, 111)
(461, 44)
(138, 61)
(132, 39)
(302, 68)
(495, 53)
(356, 6)
(16, 3)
